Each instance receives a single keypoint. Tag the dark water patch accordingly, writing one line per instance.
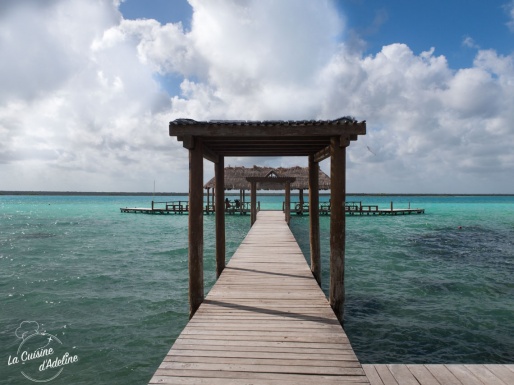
(358, 306)
(472, 244)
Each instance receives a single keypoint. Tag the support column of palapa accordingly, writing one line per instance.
(288, 202)
(195, 254)
(337, 224)
(253, 198)
(219, 175)
(314, 219)
(300, 198)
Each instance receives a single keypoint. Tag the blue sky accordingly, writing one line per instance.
(88, 88)
(421, 25)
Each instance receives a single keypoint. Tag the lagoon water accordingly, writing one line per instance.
(112, 287)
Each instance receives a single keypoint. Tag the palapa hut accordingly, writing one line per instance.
(236, 179)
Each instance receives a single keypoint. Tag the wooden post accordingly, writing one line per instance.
(288, 202)
(337, 226)
(219, 175)
(300, 195)
(196, 290)
(314, 219)
(208, 202)
(253, 198)
(240, 201)
(391, 205)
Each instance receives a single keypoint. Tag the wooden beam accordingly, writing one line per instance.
(314, 219)
(337, 226)
(322, 154)
(272, 130)
(195, 253)
(219, 175)
(210, 155)
(344, 141)
(187, 141)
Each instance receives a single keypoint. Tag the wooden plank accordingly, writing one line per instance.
(423, 375)
(372, 374)
(300, 380)
(484, 375)
(200, 374)
(265, 316)
(443, 374)
(385, 375)
(463, 374)
(502, 372)
(402, 374)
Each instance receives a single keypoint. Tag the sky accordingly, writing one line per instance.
(88, 88)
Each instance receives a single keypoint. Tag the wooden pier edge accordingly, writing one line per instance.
(440, 374)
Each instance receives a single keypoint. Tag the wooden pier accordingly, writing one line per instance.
(265, 321)
(182, 207)
(353, 208)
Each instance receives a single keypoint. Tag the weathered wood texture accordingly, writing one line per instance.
(314, 219)
(288, 202)
(267, 138)
(253, 202)
(195, 256)
(220, 215)
(447, 374)
(265, 321)
(337, 226)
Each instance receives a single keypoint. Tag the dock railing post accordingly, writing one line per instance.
(219, 202)
(337, 224)
(314, 219)
(195, 254)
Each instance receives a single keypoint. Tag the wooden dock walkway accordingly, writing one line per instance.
(265, 321)
(435, 374)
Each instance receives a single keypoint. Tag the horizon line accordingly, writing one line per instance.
(142, 193)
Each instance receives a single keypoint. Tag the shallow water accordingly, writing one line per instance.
(113, 287)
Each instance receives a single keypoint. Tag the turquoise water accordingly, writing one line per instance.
(112, 287)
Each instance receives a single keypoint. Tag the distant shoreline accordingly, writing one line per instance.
(97, 193)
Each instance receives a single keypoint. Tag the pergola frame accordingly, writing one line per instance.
(277, 179)
(214, 140)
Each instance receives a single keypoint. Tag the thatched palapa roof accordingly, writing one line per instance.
(235, 178)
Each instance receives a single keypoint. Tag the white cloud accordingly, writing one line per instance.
(81, 109)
